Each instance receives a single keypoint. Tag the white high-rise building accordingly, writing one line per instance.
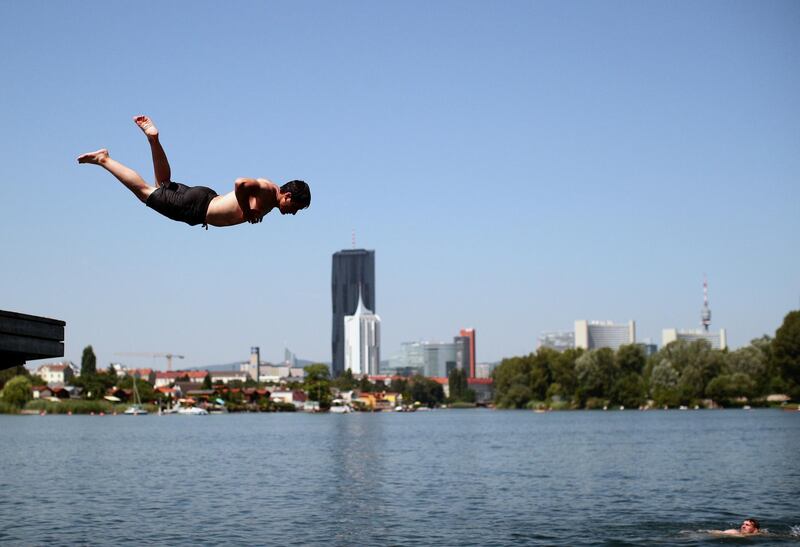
(362, 340)
(604, 334)
(718, 340)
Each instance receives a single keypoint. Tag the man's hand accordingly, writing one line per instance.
(252, 217)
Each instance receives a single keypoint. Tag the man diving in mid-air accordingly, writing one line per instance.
(249, 200)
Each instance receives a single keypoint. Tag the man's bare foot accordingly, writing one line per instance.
(146, 125)
(96, 157)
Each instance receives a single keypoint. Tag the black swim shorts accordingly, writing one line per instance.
(183, 203)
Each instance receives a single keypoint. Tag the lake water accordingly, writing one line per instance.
(444, 477)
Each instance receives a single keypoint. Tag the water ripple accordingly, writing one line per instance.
(436, 478)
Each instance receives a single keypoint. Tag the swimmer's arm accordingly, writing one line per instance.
(244, 189)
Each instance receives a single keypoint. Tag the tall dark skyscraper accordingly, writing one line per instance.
(352, 270)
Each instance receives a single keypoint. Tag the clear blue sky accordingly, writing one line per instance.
(515, 166)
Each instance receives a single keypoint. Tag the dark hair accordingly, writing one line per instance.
(755, 523)
(301, 193)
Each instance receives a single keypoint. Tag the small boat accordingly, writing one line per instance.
(338, 406)
(136, 408)
(192, 411)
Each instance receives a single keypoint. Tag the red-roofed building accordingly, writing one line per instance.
(168, 391)
(252, 394)
(60, 391)
(296, 397)
(167, 378)
(146, 374)
(483, 388)
(196, 376)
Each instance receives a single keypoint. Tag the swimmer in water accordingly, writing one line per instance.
(748, 528)
(249, 200)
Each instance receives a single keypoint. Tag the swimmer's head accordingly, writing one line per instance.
(295, 195)
(749, 526)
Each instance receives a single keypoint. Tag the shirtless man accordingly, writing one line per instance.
(249, 201)
(748, 528)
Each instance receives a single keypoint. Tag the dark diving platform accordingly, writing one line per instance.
(27, 337)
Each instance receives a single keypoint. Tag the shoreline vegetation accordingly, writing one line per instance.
(101, 408)
(681, 375)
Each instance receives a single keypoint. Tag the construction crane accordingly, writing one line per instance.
(168, 356)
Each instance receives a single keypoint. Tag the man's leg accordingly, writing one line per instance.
(160, 163)
(125, 175)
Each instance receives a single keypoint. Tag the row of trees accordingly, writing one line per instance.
(681, 373)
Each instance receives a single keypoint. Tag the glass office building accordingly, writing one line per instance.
(432, 359)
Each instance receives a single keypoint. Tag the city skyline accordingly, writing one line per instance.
(516, 166)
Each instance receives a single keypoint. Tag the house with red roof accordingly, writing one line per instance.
(296, 396)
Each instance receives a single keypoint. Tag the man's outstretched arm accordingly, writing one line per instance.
(247, 196)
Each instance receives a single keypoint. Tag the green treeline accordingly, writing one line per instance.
(681, 373)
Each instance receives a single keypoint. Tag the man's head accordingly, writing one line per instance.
(295, 195)
(749, 526)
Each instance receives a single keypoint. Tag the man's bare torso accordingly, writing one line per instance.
(225, 210)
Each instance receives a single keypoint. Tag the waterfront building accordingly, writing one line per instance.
(57, 373)
(436, 359)
(166, 378)
(483, 388)
(56, 390)
(432, 359)
(253, 365)
(146, 374)
(297, 397)
(353, 273)
(718, 340)
(226, 376)
(362, 340)
(603, 334)
(557, 340)
(484, 370)
(272, 374)
(465, 351)
(169, 377)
